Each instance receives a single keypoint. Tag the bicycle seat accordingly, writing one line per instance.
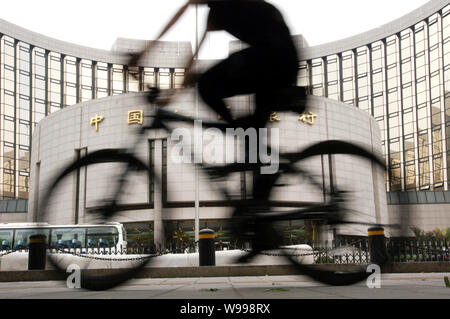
(292, 98)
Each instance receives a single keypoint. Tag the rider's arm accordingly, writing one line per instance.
(136, 56)
(210, 25)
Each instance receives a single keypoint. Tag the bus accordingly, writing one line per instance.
(85, 238)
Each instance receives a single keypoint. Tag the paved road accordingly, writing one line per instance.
(393, 286)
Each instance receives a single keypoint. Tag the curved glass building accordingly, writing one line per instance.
(41, 75)
(399, 73)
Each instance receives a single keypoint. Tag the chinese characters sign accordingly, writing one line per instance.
(274, 117)
(307, 118)
(137, 117)
(96, 120)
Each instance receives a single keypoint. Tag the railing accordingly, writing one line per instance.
(418, 250)
(134, 250)
(131, 249)
(398, 250)
(333, 252)
(342, 252)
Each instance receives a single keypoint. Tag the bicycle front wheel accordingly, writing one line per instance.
(102, 267)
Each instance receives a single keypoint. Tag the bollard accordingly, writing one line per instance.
(377, 245)
(207, 251)
(37, 252)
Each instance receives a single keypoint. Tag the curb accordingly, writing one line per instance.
(227, 271)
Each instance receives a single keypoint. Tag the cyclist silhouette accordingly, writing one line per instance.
(268, 69)
(269, 63)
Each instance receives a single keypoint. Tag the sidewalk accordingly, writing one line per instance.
(393, 286)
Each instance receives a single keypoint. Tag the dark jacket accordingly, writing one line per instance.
(255, 22)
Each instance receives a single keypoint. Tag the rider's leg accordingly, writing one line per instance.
(266, 237)
(241, 73)
(250, 71)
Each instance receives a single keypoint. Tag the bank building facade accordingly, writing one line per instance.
(387, 89)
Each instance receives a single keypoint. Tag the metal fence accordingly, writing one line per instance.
(134, 250)
(130, 250)
(341, 252)
(398, 250)
(418, 250)
(330, 252)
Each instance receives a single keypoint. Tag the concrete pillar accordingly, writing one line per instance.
(377, 245)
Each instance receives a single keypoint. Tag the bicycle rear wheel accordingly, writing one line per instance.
(331, 211)
(93, 278)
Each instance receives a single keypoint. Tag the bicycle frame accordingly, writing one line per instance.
(317, 211)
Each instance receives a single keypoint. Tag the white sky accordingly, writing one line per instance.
(97, 23)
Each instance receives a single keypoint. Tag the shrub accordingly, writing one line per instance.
(436, 234)
(323, 260)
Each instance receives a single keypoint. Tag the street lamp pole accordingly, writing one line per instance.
(197, 184)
